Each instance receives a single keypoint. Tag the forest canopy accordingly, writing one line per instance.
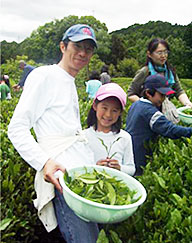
(119, 48)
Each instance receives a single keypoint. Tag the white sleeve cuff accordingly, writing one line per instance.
(128, 169)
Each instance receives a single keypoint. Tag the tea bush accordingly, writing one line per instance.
(166, 216)
(19, 221)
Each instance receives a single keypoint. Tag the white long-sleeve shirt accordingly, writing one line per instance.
(49, 104)
(123, 147)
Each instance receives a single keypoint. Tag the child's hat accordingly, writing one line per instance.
(5, 76)
(109, 90)
(80, 32)
(159, 83)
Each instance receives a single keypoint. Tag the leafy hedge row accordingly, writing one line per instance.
(166, 216)
(18, 214)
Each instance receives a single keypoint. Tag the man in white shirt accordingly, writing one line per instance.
(50, 106)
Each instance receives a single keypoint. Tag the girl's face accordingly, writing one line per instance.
(160, 55)
(107, 113)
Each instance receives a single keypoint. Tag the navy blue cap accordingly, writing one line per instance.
(80, 32)
(159, 83)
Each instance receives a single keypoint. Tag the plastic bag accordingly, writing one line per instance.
(170, 111)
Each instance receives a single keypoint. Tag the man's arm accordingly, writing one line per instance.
(31, 106)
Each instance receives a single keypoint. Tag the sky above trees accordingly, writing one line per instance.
(20, 18)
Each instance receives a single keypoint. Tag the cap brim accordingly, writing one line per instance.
(77, 38)
(104, 96)
(165, 91)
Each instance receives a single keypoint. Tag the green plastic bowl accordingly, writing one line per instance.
(184, 117)
(97, 212)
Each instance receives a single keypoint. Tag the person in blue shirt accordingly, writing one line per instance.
(26, 70)
(145, 121)
(93, 84)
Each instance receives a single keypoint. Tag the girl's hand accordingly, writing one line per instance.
(103, 162)
(112, 163)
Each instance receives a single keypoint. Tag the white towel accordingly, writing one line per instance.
(53, 145)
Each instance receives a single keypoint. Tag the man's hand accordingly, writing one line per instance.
(49, 170)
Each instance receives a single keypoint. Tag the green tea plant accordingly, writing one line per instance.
(18, 216)
(108, 148)
(165, 217)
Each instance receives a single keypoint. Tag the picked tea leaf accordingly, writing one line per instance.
(100, 187)
(188, 111)
(67, 178)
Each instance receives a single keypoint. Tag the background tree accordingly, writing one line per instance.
(104, 46)
(9, 50)
(43, 44)
(177, 55)
(118, 49)
(188, 51)
(188, 35)
(127, 67)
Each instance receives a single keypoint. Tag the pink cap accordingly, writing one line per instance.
(109, 90)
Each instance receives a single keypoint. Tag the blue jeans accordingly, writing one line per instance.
(72, 228)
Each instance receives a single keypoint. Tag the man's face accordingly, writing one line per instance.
(76, 55)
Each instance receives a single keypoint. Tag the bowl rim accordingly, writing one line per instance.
(100, 205)
(180, 109)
